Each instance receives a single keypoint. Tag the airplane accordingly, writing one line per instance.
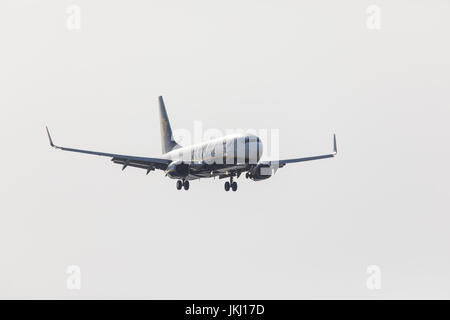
(226, 157)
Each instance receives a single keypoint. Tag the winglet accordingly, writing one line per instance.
(49, 138)
(334, 144)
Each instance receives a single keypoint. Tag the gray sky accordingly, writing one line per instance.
(308, 69)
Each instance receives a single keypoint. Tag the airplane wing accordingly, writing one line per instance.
(149, 164)
(282, 163)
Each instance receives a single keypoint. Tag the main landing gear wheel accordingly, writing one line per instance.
(231, 185)
(186, 185)
(179, 185)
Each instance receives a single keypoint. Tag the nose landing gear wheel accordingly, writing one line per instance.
(227, 186)
(186, 185)
(234, 186)
(179, 185)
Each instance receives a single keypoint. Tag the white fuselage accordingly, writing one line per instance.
(216, 157)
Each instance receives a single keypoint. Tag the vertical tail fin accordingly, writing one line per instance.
(167, 142)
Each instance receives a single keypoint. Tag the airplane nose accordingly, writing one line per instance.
(253, 150)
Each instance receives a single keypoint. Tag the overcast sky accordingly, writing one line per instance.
(376, 73)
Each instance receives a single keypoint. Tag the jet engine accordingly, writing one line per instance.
(259, 172)
(178, 169)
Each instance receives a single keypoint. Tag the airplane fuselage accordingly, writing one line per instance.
(218, 157)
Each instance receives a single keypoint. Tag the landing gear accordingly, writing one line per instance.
(232, 184)
(182, 184)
